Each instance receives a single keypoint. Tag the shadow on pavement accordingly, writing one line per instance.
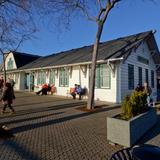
(31, 118)
(59, 120)
(152, 133)
(21, 150)
(35, 103)
(49, 108)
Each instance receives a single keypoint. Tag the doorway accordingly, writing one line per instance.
(29, 82)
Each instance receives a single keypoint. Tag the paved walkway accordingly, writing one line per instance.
(51, 128)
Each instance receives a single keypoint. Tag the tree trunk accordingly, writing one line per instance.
(90, 104)
(4, 66)
(4, 69)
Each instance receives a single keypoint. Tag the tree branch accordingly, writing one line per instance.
(85, 12)
(100, 13)
(109, 6)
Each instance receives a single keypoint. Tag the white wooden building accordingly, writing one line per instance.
(121, 65)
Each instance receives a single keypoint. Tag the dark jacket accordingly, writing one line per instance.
(7, 95)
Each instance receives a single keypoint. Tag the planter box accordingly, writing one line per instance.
(126, 133)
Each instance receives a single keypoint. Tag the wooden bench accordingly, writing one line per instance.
(52, 90)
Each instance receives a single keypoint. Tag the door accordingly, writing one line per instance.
(26, 83)
(31, 82)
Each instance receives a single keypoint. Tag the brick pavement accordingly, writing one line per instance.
(51, 128)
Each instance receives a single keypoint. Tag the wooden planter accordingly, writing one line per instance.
(126, 133)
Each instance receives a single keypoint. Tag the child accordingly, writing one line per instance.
(7, 97)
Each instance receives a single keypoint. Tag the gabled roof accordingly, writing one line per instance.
(111, 49)
(22, 59)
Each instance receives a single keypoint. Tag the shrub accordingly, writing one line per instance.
(134, 104)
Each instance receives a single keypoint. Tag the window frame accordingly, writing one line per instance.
(147, 76)
(63, 77)
(140, 75)
(100, 76)
(52, 77)
(152, 79)
(10, 64)
(41, 77)
(130, 77)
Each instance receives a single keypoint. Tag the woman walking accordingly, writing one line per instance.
(7, 97)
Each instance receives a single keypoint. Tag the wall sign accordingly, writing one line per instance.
(143, 60)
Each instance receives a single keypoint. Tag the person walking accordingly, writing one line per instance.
(12, 82)
(147, 89)
(139, 88)
(1, 84)
(7, 97)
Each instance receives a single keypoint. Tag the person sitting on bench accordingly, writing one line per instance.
(53, 89)
(79, 91)
(43, 90)
(73, 91)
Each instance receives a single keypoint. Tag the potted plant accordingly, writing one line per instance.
(134, 121)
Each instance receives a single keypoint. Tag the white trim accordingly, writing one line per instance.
(115, 59)
(74, 64)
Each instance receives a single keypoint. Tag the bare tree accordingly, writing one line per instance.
(60, 12)
(16, 25)
(104, 10)
(95, 10)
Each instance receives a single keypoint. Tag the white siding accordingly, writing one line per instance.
(17, 81)
(108, 95)
(22, 81)
(76, 77)
(119, 81)
(10, 55)
(143, 51)
(79, 77)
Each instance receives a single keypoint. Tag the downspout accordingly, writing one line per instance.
(79, 75)
(119, 83)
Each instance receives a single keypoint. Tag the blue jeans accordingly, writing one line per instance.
(148, 100)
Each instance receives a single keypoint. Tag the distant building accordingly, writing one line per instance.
(121, 64)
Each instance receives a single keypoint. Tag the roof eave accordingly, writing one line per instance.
(73, 64)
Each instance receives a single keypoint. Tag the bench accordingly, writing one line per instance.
(52, 90)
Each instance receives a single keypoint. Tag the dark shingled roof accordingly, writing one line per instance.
(110, 49)
(22, 59)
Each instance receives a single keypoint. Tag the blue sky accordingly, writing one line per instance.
(125, 19)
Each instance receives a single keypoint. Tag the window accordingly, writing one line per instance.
(152, 79)
(10, 64)
(102, 76)
(140, 75)
(146, 76)
(52, 77)
(41, 79)
(64, 77)
(16, 78)
(130, 76)
(143, 60)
